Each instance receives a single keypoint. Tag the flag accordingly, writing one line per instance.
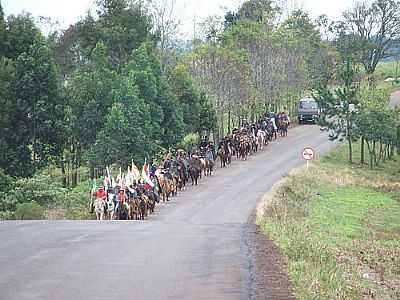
(148, 184)
(119, 178)
(135, 171)
(106, 183)
(111, 181)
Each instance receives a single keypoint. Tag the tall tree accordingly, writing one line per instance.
(376, 26)
(38, 98)
(21, 35)
(339, 107)
(257, 10)
(3, 37)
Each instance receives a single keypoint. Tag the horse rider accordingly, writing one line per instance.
(167, 162)
(273, 121)
(121, 198)
(210, 154)
(211, 147)
(100, 194)
(203, 145)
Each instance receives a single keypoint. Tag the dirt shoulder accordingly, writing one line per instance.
(268, 277)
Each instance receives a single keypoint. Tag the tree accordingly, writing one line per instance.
(40, 107)
(188, 98)
(165, 26)
(122, 26)
(339, 107)
(90, 96)
(3, 33)
(22, 33)
(376, 27)
(378, 127)
(256, 10)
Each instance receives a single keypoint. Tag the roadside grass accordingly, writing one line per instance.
(338, 227)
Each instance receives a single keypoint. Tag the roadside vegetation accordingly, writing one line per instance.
(338, 228)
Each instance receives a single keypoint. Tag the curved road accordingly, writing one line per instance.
(395, 99)
(192, 248)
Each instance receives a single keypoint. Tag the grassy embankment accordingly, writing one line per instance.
(338, 228)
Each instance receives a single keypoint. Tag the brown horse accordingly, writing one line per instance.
(222, 156)
(284, 128)
(133, 209)
(166, 187)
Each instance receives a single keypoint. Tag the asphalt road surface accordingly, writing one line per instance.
(395, 99)
(192, 248)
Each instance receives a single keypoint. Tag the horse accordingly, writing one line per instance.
(261, 139)
(99, 205)
(210, 159)
(133, 212)
(244, 148)
(204, 166)
(142, 207)
(152, 199)
(222, 156)
(284, 128)
(122, 211)
(194, 173)
(166, 187)
(182, 174)
(254, 145)
(110, 207)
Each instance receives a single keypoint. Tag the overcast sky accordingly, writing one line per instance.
(69, 11)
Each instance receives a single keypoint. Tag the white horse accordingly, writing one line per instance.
(99, 205)
(110, 207)
(261, 138)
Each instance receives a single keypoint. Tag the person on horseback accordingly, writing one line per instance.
(120, 199)
(203, 145)
(168, 161)
(211, 146)
(100, 194)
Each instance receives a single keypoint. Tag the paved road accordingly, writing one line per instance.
(192, 248)
(395, 99)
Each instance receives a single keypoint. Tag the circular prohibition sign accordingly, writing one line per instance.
(308, 153)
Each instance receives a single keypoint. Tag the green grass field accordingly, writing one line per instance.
(388, 69)
(338, 227)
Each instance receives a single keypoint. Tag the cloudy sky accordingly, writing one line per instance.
(69, 11)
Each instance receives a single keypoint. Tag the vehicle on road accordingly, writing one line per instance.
(308, 110)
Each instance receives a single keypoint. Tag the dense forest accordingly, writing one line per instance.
(117, 85)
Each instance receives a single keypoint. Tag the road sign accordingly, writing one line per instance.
(308, 153)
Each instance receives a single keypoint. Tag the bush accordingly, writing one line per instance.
(29, 211)
(5, 181)
(39, 188)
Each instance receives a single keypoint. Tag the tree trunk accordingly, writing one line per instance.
(350, 151)
(64, 176)
(374, 151)
(371, 156)
(362, 160)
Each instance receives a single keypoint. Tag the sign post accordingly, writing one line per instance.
(308, 154)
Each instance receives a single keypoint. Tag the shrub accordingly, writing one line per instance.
(29, 211)
(39, 188)
(5, 181)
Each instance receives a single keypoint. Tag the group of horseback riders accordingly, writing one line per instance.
(136, 199)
